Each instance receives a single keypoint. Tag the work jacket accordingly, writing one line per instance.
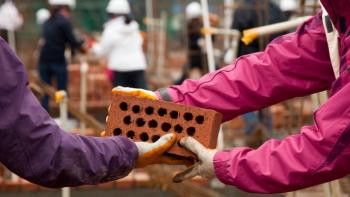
(293, 65)
(57, 34)
(34, 147)
(121, 44)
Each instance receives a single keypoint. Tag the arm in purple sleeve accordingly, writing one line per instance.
(293, 65)
(35, 148)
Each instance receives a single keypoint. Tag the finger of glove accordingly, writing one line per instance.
(189, 173)
(160, 146)
(193, 145)
(171, 161)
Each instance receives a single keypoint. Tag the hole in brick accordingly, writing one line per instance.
(144, 137)
(127, 120)
(140, 122)
(123, 106)
(191, 131)
(155, 138)
(178, 128)
(174, 114)
(130, 134)
(200, 119)
(149, 110)
(188, 116)
(162, 112)
(136, 109)
(166, 127)
(117, 132)
(152, 124)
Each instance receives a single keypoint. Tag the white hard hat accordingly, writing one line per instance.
(118, 7)
(70, 3)
(193, 10)
(288, 5)
(42, 16)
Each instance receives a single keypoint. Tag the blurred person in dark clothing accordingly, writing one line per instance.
(57, 34)
(248, 17)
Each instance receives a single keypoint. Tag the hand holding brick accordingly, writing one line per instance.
(147, 120)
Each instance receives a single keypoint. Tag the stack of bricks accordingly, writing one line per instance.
(147, 120)
(99, 87)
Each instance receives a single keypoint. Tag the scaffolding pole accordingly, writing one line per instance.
(250, 35)
(83, 92)
(228, 21)
(150, 35)
(162, 44)
(210, 56)
(62, 100)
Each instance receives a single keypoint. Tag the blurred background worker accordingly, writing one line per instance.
(195, 39)
(42, 15)
(57, 33)
(121, 45)
(289, 8)
(197, 64)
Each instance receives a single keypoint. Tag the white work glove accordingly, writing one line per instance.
(204, 167)
(146, 94)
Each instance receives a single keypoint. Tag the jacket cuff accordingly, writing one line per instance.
(224, 165)
(125, 162)
(166, 94)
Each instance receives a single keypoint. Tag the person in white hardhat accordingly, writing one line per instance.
(42, 15)
(196, 57)
(121, 44)
(193, 10)
(70, 3)
(57, 34)
(118, 7)
(289, 7)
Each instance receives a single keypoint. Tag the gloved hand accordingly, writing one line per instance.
(152, 153)
(146, 94)
(204, 167)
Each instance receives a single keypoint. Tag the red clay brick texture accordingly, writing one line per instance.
(146, 120)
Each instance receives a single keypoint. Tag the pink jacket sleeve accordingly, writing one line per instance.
(320, 153)
(293, 65)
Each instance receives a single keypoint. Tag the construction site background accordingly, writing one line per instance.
(89, 17)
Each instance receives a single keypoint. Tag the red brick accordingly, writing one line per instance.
(131, 115)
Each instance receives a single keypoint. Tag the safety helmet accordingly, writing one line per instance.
(42, 15)
(288, 5)
(118, 7)
(70, 3)
(193, 10)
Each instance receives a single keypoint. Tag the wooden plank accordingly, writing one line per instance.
(86, 118)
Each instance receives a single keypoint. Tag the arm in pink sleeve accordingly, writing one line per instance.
(320, 153)
(293, 65)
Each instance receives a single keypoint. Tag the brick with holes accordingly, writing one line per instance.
(146, 120)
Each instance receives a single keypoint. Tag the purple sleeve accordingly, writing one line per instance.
(35, 148)
(293, 65)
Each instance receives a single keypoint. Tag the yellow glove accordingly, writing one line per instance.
(152, 153)
(146, 94)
